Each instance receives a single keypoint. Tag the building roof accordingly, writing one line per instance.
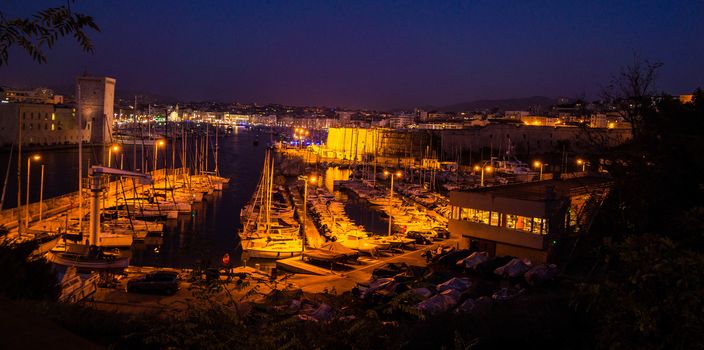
(542, 190)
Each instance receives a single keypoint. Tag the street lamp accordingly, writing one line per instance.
(305, 178)
(113, 148)
(391, 192)
(487, 168)
(35, 157)
(41, 195)
(583, 164)
(159, 143)
(541, 166)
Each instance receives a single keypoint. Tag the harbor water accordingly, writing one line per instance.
(202, 237)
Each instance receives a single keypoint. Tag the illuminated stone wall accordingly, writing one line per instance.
(96, 103)
(356, 143)
(352, 143)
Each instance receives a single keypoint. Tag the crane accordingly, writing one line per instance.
(95, 176)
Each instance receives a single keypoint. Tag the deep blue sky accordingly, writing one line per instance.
(372, 54)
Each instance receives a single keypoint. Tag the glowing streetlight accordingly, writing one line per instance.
(35, 157)
(157, 144)
(483, 169)
(583, 164)
(541, 166)
(312, 179)
(111, 150)
(391, 192)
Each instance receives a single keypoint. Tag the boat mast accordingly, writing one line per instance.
(271, 188)
(19, 173)
(183, 153)
(217, 170)
(7, 176)
(134, 139)
(79, 117)
(206, 154)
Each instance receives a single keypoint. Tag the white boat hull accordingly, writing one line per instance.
(58, 259)
(270, 254)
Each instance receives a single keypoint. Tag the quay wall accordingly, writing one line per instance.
(57, 205)
(364, 143)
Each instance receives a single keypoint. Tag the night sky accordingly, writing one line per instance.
(370, 54)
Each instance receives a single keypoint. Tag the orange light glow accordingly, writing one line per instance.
(36, 157)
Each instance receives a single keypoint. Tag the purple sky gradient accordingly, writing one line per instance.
(371, 54)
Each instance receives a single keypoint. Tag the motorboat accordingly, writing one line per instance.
(273, 247)
(359, 242)
(331, 252)
(87, 257)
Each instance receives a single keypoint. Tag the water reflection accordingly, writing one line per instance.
(210, 230)
(333, 174)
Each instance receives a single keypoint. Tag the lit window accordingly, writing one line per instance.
(511, 221)
(527, 223)
(52, 127)
(464, 214)
(480, 216)
(494, 219)
(537, 225)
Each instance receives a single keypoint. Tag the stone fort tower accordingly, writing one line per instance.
(95, 96)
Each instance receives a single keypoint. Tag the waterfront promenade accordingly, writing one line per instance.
(57, 212)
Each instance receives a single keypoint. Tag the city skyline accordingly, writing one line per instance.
(371, 55)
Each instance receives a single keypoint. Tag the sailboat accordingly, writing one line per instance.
(263, 235)
(510, 165)
(93, 255)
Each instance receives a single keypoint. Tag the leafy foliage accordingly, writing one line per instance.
(651, 297)
(21, 278)
(42, 30)
(646, 289)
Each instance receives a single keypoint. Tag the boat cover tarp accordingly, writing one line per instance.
(541, 273)
(337, 247)
(516, 267)
(331, 251)
(459, 284)
(423, 292)
(474, 259)
(323, 255)
(440, 303)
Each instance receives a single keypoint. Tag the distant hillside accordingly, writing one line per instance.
(503, 104)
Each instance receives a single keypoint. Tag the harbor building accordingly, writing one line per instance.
(96, 99)
(529, 220)
(41, 124)
(446, 144)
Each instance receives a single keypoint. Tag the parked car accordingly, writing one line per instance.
(156, 282)
(418, 236)
(441, 232)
